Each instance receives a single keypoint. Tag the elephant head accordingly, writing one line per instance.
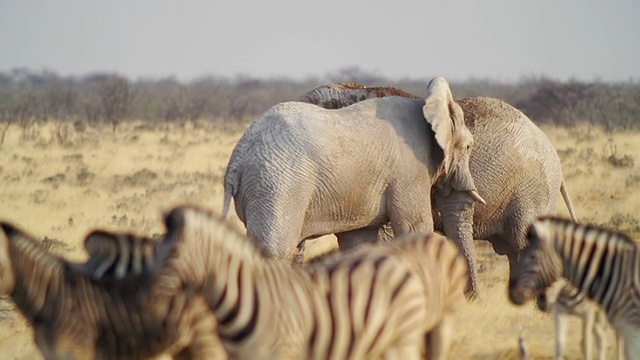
(447, 122)
(440, 110)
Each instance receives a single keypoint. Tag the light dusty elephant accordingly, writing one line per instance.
(513, 163)
(301, 171)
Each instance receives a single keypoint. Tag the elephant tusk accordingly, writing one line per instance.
(474, 194)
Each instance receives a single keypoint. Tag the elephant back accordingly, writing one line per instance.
(491, 112)
(493, 121)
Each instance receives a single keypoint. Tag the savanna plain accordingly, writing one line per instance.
(59, 182)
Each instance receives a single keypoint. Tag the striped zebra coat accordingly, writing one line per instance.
(89, 311)
(563, 299)
(604, 265)
(361, 305)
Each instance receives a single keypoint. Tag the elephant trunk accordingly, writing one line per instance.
(455, 219)
(458, 180)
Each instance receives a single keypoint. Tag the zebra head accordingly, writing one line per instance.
(539, 267)
(7, 275)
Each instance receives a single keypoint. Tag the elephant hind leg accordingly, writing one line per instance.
(276, 231)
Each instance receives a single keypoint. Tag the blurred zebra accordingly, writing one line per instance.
(116, 256)
(601, 264)
(563, 299)
(359, 305)
(85, 311)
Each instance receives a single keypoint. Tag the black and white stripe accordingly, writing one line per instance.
(77, 314)
(601, 264)
(117, 256)
(361, 304)
(563, 299)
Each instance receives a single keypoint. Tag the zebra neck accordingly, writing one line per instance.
(596, 267)
(39, 280)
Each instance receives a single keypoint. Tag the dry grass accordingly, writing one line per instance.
(63, 188)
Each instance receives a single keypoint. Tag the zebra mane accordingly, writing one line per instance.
(118, 255)
(561, 223)
(196, 234)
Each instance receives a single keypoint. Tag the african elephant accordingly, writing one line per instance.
(513, 163)
(301, 171)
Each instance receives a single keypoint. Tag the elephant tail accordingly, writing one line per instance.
(231, 180)
(567, 201)
(228, 194)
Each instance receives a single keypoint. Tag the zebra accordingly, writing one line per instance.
(442, 271)
(118, 256)
(601, 264)
(360, 305)
(563, 299)
(82, 311)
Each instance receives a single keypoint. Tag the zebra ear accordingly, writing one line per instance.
(174, 221)
(8, 235)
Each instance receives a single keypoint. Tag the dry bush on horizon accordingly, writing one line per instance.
(97, 178)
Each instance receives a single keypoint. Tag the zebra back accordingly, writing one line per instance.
(117, 256)
(439, 263)
(432, 256)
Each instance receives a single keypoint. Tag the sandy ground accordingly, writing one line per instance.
(61, 187)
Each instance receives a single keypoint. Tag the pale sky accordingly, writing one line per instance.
(501, 40)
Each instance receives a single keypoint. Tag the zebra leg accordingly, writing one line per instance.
(439, 339)
(588, 330)
(600, 333)
(560, 320)
(620, 343)
(403, 351)
(629, 336)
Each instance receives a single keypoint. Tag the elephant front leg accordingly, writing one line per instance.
(456, 218)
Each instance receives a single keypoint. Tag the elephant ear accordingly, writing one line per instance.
(444, 115)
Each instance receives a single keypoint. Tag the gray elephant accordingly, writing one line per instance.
(301, 171)
(513, 163)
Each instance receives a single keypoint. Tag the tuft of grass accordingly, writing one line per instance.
(612, 157)
(633, 180)
(624, 222)
(84, 176)
(56, 246)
